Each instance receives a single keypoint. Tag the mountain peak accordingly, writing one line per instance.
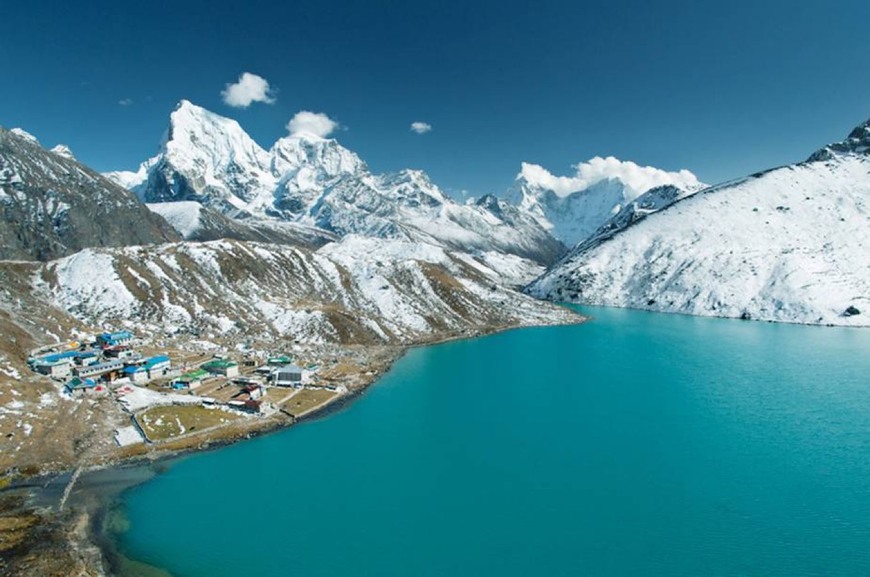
(858, 142)
(861, 132)
(51, 205)
(572, 207)
(195, 131)
(20, 132)
(188, 115)
(64, 151)
(635, 178)
(302, 149)
(308, 137)
(314, 181)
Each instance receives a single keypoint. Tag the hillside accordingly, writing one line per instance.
(789, 244)
(357, 291)
(51, 205)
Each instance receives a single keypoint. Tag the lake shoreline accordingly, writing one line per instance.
(88, 523)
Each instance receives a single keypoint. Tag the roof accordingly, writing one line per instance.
(77, 383)
(149, 363)
(291, 368)
(119, 347)
(134, 369)
(249, 404)
(117, 335)
(56, 357)
(193, 375)
(280, 360)
(219, 364)
(101, 367)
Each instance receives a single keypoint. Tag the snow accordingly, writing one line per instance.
(789, 245)
(363, 287)
(12, 408)
(20, 132)
(572, 208)
(308, 326)
(184, 216)
(64, 151)
(11, 372)
(89, 276)
(634, 178)
(135, 398)
(503, 268)
(129, 435)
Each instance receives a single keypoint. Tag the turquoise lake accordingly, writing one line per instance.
(635, 444)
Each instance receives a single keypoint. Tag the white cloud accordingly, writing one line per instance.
(421, 127)
(637, 179)
(312, 122)
(125, 101)
(250, 88)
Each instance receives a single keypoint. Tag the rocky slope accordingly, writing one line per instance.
(357, 291)
(789, 244)
(314, 181)
(573, 207)
(51, 205)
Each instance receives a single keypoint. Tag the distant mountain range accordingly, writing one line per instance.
(314, 182)
(788, 244)
(572, 208)
(261, 269)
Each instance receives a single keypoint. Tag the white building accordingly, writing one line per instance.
(287, 376)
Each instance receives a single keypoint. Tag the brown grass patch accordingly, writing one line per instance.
(306, 400)
(161, 423)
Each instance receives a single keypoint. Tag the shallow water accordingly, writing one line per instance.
(635, 444)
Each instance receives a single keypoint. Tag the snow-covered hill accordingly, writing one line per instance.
(51, 205)
(356, 291)
(573, 207)
(316, 182)
(791, 244)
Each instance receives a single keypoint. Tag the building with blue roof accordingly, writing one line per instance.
(137, 374)
(54, 365)
(55, 357)
(157, 366)
(78, 386)
(114, 339)
(107, 370)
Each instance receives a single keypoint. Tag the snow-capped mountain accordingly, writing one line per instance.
(573, 207)
(206, 158)
(51, 205)
(789, 244)
(316, 182)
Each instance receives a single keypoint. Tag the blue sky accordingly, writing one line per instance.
(723, 89)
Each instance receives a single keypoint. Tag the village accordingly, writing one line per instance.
(173, 395)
